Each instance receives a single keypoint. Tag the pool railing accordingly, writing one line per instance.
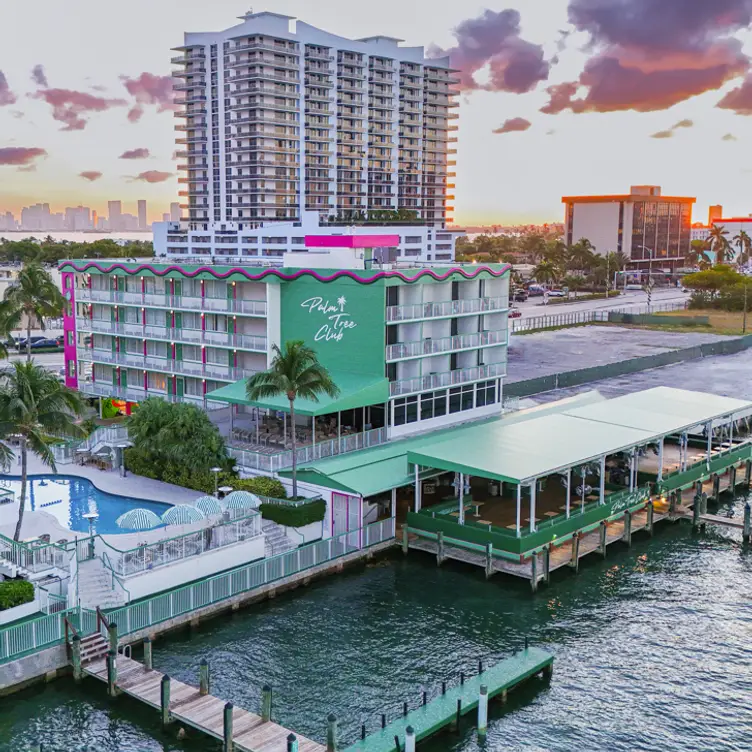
(34, 556)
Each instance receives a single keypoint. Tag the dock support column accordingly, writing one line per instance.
(519, 511)
(534, 572)
(533, 494)
(748, 472)
(627, 538)
(732, 479)
(164, 700)
(417, 489)
(266, 704)
(409, 739)
(696, 511)
(203, 677)
(489, 560)
(649, 518)
(331, 733)
(439, 547)
(603, 530)
(569, 490)
(148, 662)
(78, 674)
(112, 673)
(292, 743)
(574, 561)
(404, 538)
(227, 745)
(482, 711)
(672, 506)
(112, 636)
(716, 486)
(747, 531)
(547, 564)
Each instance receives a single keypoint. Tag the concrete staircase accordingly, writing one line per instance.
(275, 540)
(11, 571)
(95, 586)
(93, 647)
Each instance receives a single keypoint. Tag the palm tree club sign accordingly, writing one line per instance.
(336, 320)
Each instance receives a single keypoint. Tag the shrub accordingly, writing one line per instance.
(108, 409)
(260, 485)
(294, 516)
(15, 593)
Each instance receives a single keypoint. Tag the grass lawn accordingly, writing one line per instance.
(721, 322)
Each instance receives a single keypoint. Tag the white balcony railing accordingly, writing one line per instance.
(252, 460)
(417, 311)
(446, 344)
(447, 378)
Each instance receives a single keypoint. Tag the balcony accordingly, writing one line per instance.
(444, 309)
(456, 343)
(182, 302)
(446, 379)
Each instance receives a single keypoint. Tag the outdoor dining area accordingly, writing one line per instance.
(183, 531)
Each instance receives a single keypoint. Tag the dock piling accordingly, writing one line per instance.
(696, 511)
(462, 678)
(112, 673)
(534, 572)
(458, 715)
(527, 642)
(480, 666)
(203, 677)
(405, 540)
(292, 743)
(732, 479)
(227, 745)
(331, 733)
(489, 560)
(482, 711)
(164, 700)
(404, 708)
(113, 636)
(383, 720)
(627, 537)
(747, 531)
(547, 564)
(443, 688)
(748, 472)
(672, 500)
(266, 703)
(148, 662)
(649, 518)
(76, 651)
(716, 486)
(362, 731)
(574, 561)
(409, 739)
(602, 539)
(425, 698)
(439, 547)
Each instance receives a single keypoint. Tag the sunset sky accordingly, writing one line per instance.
(560, 97)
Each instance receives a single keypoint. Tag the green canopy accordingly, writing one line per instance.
(355, 390)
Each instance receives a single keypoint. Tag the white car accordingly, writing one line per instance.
(555, 293)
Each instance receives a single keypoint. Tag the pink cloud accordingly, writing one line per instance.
(153, 176)
(140, 153)
(6, 95)
(90, 175)
(20, 155)
(149, 89)
(740, 99)
(70, 107)
(512, 125)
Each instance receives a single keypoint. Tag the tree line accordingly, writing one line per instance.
(51, 251)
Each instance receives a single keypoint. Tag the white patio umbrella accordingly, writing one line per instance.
(209, 506)
(138, 519)
(182, 514)
(242, 500)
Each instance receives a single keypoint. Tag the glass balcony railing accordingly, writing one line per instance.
(446, 344)
(467, 306)
(446, 379)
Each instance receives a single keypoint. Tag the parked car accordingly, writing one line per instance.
(515, 313)
(21, 341)
(40, 344)
(519, 296)
(556, 293)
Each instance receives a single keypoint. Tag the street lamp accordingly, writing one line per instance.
(91, 518)
(216, 471)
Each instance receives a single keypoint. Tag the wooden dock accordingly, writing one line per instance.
(202, 712)
(440, 712)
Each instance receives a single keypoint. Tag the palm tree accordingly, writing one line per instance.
(719, 244)
(295, 372)
(744, 243)
(546, 272)
(34, 406)
(34, 296)
(581, 256)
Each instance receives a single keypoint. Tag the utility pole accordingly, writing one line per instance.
(744, 319)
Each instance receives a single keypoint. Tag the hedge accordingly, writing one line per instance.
(291, 516)
(260, 485)
(15, 593)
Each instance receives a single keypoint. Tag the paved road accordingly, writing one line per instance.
(534, 306)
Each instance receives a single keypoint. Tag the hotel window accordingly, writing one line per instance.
(461, 398)
(433, 405)
(485, 394)
(71, 368)
(405, 410)
(157, 382)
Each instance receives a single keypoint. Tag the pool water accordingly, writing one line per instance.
(69, 498)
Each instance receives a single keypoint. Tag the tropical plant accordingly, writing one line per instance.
(175, 434)
(32, 298)
(719, 244)
(34, 407)
(581, 256)
(294, 372)
(744, 243)
(546, 272)
(573, 282)
(698, 255)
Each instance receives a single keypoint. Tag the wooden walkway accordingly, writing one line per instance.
(430, 718)
(202, 712)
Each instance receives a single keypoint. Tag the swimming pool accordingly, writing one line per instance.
(68, 498)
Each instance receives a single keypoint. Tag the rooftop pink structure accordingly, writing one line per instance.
(352, 241)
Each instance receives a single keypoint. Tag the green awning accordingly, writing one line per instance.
(355, 390)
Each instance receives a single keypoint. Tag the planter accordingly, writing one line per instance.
(23, 611)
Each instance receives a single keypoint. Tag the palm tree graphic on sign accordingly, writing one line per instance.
(341, 302)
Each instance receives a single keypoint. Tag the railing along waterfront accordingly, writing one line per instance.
(34, 557)
(165, 552)
(416, 311)
(273, 462)
(17, 640)
(165, 606)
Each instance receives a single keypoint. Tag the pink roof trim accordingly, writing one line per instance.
(352, 241)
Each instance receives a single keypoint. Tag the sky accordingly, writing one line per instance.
(559, 97)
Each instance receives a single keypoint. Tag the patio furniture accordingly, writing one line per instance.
(490, 524)
(477, 505)
(550, 514)
(508, 527)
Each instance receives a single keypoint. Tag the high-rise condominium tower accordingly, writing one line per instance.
(284, 127)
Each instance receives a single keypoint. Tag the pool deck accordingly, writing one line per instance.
(135, 486)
